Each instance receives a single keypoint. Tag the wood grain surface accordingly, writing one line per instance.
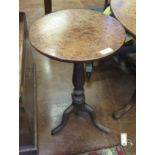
(77, 35)
(125, 12)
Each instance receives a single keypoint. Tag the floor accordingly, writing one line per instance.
(108, 89)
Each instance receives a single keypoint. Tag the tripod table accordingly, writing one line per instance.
(77, 36)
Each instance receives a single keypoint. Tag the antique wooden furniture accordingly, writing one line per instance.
(125, 12)
(77, 36)
(27, 105)
(48, 9)
(131, 60)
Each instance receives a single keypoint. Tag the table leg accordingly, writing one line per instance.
(92, 115)
(65, 118)
(78, 101)
(118, 114)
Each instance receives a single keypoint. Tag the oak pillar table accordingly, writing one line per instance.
(77, 36)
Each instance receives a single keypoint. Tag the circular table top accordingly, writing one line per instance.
(125, 12)
(76, 35)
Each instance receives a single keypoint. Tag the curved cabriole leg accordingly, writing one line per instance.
(92, 115)
(65, 118)
(118, 114)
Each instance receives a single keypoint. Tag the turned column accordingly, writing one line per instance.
(78, 79)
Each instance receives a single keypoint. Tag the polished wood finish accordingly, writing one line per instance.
(125, 12)
(77, 35)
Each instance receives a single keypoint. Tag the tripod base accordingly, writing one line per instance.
(78, 101)
(73, 109)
